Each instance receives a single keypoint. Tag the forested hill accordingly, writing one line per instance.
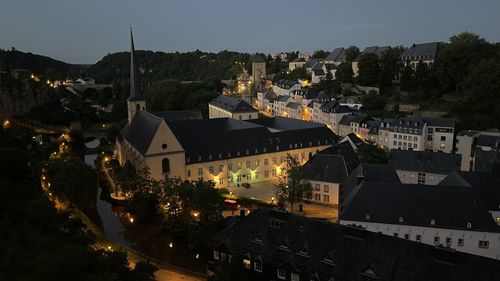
(40, 65)
(156, 66)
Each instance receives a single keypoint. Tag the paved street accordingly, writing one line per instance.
(264, 191)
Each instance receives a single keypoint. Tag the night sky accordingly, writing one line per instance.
(85, 31)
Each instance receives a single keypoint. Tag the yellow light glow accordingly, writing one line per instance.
(131, 220)
(171, 245)
(6, 124)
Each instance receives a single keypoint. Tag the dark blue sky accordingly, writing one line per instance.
(85, 31)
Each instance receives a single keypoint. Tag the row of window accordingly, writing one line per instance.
(264, 150)
(317, 187)
(482, 244)
(404, 144)
(249, 176)
(404, 137)
(257, 265)
(317, 198)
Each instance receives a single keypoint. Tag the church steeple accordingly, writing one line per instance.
(135, 101)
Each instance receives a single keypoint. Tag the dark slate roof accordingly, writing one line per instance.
(282, 98)
(425, 161)
(488, 141)
(355, 139)
(346, 120)
(379, 173)
(337, 55)
(410, 125)
(376, 50)
(345, 150)
(441, 122)
(312, 62)
(487, 186)
(425, 51)
(293, 105)
(486, 161)
(334, 107)
(269, 95)
(307, 93)
(178, 115)
(232, 104)
(223, 138)
(318, 72)
(449, 206)
(286, 84)
(359, 118)
(454, 179)
(127, 171)
(326, 168)
(140, 132)
(330, 251)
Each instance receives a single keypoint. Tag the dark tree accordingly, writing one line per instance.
(369, 70)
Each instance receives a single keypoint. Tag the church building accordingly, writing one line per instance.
(230, 152)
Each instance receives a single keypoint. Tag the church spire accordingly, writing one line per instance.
(135, 88)
(135, 102)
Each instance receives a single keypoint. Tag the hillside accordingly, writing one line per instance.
(156, 66)
(41, 65)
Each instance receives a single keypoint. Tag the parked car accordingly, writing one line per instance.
(231, 205)
(246, 185)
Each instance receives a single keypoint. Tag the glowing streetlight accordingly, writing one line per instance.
(131, 220)
(171, 245)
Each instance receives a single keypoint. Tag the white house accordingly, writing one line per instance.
(423, 167)
(445, 216)
(231, 107)
(285, 87)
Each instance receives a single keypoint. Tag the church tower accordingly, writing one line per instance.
(135, 101)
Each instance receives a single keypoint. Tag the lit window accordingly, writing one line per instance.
(247, 263)
(216, 255)
(200, 171)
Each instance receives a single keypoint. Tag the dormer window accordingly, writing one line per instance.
(367, 217)
(469, 225)
(303, 252)
(199, 158)
(220, 155)
(284, 246)
(238, 153)
(256, 150)
(247, 152)
(400, 219)
(433, 222)
(328, 259)
(210, 156)
(264, 150)
(281, 274)
(188, 159)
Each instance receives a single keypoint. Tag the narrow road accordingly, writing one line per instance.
(165, 272)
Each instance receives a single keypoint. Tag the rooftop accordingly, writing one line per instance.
(425, 161)
(452, 207)
(319, 250)
(232, 104)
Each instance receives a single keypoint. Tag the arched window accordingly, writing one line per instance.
(165, 165)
